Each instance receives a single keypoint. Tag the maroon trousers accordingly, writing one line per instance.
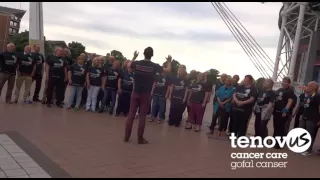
(196, 113)
(141, 101)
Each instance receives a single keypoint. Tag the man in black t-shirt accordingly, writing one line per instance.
(310, 119)
(8, 66)
(26, 70)
(56, 74)
(283, 108)
(39, 58)
(144, 72)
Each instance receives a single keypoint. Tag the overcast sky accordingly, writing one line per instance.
(192, 32)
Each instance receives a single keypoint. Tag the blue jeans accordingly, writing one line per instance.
(110, 95)
(73, 90)
(92, 97)
(158, 107)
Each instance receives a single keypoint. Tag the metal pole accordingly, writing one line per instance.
(283, 23)
(297, 40)
(36, 35)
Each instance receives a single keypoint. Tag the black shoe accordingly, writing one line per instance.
(59, 105)
(73, 105)
(36, 100)
(48, 105)
(100, 111)
(117, 114)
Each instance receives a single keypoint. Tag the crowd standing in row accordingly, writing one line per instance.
(95, 83)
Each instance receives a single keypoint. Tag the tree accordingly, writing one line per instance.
(76, 49)
(259, 83)
(118, 55)
(20, 40)
(213, 75)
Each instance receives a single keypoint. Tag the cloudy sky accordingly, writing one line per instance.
(192, 32)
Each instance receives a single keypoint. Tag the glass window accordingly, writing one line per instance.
(10, 30)
(14, 31)
(11, 23)
(15, 24)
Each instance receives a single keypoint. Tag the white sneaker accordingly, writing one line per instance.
(306, 154)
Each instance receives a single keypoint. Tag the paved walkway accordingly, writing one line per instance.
(85, 144)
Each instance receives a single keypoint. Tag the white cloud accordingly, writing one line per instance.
(192, 33)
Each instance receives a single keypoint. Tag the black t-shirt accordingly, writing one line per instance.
(161, 85)
(95, 76)
(179, 87)
(8, 62)
(144, 75)
(78, 74)
(89, 63)
(26, 63)
(265, 97)
(112, 76)
(198, 92)
(69, 61)
(39, 58)
(311, 107)
(191, 81)
(57, 66)
(243, 93)
(127, 82)
(282, 97)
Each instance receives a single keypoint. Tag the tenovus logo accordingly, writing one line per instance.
(298, 140)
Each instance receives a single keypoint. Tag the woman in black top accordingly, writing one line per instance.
(310, 119)
(198, 100)
(125, 87)
(243, 102)
(263, 108)
(283, 107)
(178, 96)
(76, 78)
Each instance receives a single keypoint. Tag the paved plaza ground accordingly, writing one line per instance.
(63, 143)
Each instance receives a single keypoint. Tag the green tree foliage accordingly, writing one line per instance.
(118, 55)
(213, 75)
(21, 40)
(76, 49)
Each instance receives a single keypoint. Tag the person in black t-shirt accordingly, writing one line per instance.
(235, 80)
(243, 102)
(144, 73)
(191, 80)
(198, 99)
(56, 74)
(8, 67)
(39, 58)
(76, 78)
(95, 81)
(125, 87)
(283, 107)
(26, 70)
(110, 91)
(160, 93)
(178, 96)
(105, 66)
(310, 119)
(263, 108)
(297, 112)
